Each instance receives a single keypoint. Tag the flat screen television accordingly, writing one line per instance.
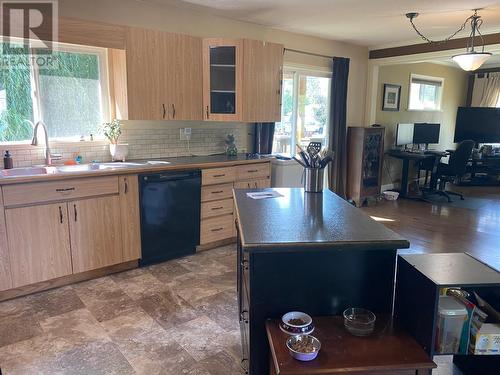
(481, 124)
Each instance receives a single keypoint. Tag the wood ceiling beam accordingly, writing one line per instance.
(431, 47)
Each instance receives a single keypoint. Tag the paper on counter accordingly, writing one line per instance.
(264, 194)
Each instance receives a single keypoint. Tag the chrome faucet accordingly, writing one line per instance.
(34, 142)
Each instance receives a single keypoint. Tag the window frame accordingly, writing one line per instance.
(296, 72)
(439, 80)
(105, 100)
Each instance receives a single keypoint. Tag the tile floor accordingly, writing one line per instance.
(178, 317)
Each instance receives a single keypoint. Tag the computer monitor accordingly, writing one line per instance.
(404, 134)
(426, 133)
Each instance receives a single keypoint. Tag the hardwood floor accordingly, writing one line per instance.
(434, 228)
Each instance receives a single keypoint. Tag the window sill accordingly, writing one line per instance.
(425, 110)
(53, 143)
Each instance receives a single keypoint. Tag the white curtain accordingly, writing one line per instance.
(490, 93)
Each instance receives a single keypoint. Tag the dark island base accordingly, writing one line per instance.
(318, 282)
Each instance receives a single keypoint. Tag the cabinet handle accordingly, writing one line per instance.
(244, 316)
(255, 185)
(173, 110)
(216, 229)
(126, 187)
(65, 191)
(76, 213)
(207, 112)
(219, 175)
(218, 192)
(164, 110)
(217, 208)
(252, 170)
(60, 215)
(248, 184)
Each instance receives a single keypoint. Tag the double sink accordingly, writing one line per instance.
(45, 170)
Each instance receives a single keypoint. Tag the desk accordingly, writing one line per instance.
(388, 350)
(406, 156)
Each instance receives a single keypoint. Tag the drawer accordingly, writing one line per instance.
(217, 208)
(214, 176)
(252, 171)
(210, 193)
(216, 229)
(42, 192)
(256, 184)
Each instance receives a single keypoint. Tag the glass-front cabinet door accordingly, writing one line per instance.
(222, 79)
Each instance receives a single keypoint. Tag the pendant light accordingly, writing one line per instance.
(471, 59)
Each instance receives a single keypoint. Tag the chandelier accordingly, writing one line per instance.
(471, 59)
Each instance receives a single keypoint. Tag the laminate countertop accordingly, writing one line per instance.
(131, 167)
(299, 220)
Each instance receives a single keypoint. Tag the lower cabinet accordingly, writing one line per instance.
(39, 243)
(83, 230)
(96, 238)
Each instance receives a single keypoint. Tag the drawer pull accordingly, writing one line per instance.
(76, 213)
(126, 186)
(219, 175)
(65, 190)
(218, 192)
(60, 215)
(217, 229)
(217, 208)
(252, 170)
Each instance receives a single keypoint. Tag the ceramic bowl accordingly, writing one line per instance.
(296, 329)
(303, 356)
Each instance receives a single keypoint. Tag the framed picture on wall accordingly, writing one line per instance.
(391, 98)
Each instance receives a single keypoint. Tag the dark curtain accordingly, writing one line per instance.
(264, 134)
(338, 127)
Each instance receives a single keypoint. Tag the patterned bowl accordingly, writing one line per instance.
(289, 326)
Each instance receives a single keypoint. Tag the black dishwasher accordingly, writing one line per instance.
(170, 215)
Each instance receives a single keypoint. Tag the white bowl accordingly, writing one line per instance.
(391, 195)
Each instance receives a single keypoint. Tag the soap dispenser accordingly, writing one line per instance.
(8, 163)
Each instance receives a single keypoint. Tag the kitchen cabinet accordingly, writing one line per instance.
(67, 227)
(164, 75)
(262, 76)
(39, 244)
(5, 275)
(242, 80)
(130, 217)
(222, 79)
(95, 229)
(217, 212)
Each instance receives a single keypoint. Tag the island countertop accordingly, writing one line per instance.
(301, 220)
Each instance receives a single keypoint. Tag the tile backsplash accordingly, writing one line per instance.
(147, 140)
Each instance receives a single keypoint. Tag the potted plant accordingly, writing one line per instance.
(112, 131)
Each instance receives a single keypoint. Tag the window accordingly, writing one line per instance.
(305, 110)
(70, 97)
(425, 93)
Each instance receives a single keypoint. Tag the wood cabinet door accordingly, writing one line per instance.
(39, 243)
(96, 234)
(262, 76)
(130, 217)
(144, 83)
(222, 79)
(182, 72)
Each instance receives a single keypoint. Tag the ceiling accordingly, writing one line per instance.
(372, 23)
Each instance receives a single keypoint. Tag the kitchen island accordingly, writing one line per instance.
(311, 252)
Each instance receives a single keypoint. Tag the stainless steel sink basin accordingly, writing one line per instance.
(28, 171)
(95, 167)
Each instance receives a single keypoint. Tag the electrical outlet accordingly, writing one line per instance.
(185, 134)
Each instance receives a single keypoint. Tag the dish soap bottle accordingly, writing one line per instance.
(8, 163)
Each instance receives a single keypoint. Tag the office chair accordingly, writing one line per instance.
(455, 168)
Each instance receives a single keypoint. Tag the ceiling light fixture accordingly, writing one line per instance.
(471, 59)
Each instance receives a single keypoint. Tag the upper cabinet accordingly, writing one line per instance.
(242, 80)
(163, 76)
(222, 79)
(167, 76)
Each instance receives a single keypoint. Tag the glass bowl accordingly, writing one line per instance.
(359, 321)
